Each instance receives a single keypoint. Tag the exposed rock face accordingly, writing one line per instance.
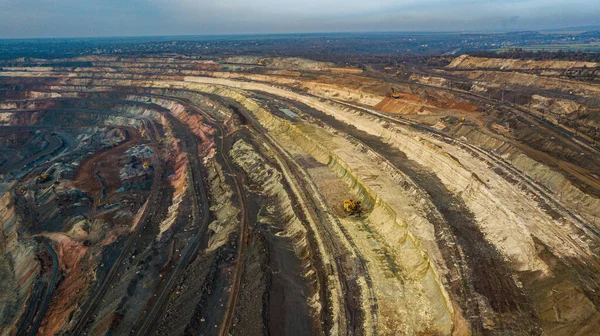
(556, 106)
(18, 267)
(174, 196)
(288, 63)
(279, 217)
(469, 62)
(399, 106)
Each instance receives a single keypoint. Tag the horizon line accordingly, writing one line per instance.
(407, 32)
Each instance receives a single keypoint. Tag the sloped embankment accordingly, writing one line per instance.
(428, 290)
(278, 218)
(470, 62)
(18, 266)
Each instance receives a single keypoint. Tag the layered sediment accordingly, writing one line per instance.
(164, 195)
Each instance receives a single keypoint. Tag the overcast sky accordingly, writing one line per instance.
(82, 18)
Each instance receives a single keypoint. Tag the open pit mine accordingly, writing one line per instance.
(283, 196)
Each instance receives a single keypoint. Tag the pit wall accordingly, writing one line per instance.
(179, 181)
(217, 110)
(504, 228)
(290, 63)
(461, 176)
(588, 205)
(221, 205)
(346, 94)
(495, 79)
(448, 168)
(556, 107)
(420, 270)
(470, 62)
(18, 267)
(21, 118)
(177, 156)
(132, 117)
(414, 259)
(319, 89)
(551, 179)
(495, 219)
(180, 177)
(193, 121)
(280, 214)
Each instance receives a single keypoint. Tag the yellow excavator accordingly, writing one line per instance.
(352, 207)
(146, 164)
(43, 178)
(395, 94)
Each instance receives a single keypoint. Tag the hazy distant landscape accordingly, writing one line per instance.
(317, 46)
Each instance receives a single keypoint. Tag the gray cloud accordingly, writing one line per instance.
(51, 18)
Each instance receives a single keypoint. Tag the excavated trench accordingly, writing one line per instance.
(485, 273)
(123, 319)
(527, 310)
(290, 285)
(266, 249)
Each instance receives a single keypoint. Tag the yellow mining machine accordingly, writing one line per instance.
(352, 207)
(395, 94)
(146, 164)
(43, 178)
